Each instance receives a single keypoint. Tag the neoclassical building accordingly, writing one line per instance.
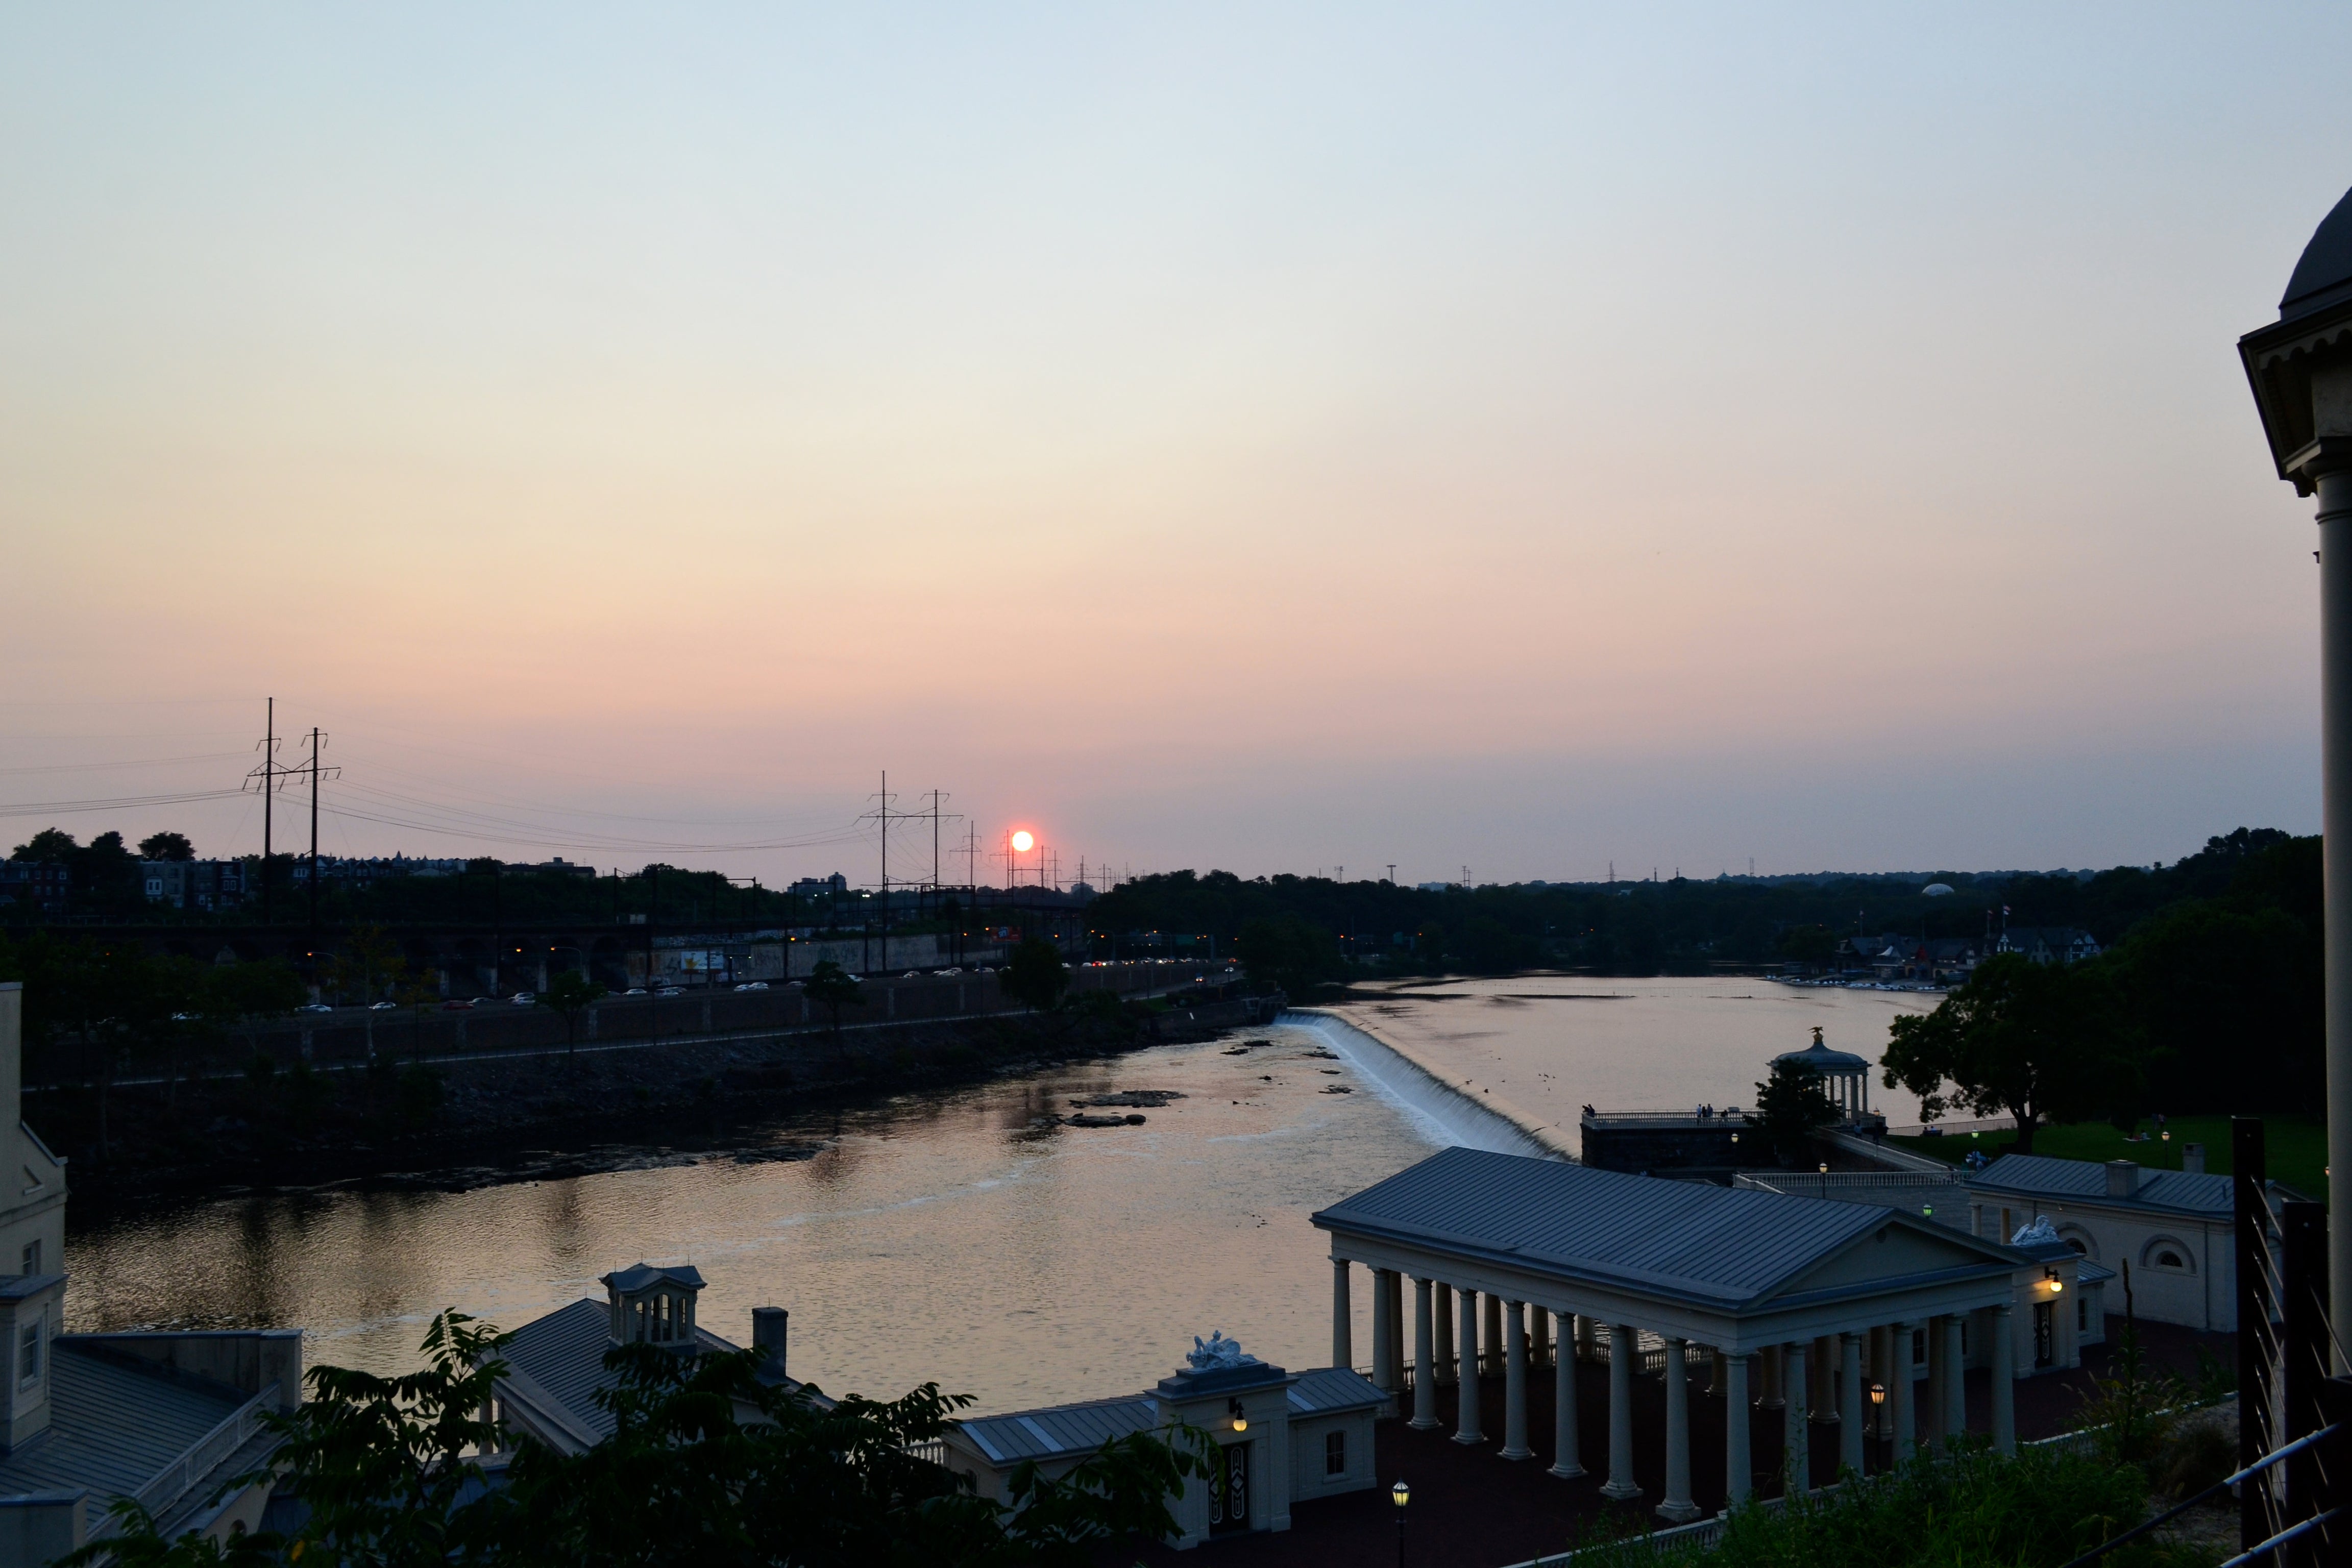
(1792, 1309)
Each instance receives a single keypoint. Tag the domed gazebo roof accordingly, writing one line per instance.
(1823, 1059)
(2324, 276)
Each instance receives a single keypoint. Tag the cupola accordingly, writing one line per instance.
(653, 1305)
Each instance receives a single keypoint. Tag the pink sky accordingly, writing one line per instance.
(1275, 438)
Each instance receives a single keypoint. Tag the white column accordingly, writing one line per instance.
(1396, 1327)
(1343, 1322)
(1677, 1505)
(1898, 1391)
(1445, 1294)
(1956, 1383)
(1466, 1429)
(1850, 1402)
(1567, 1464)
(1797, 1463)
(2004, 1374)
(1424, 1348)
(1384, 1376)
(1515, 1382)
(1737, 1468)
(1620, 1484)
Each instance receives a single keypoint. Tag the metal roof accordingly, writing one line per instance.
(1721, 1246)
(630, 1280)
(1060, 1430)
(563, 1355)
(1327, 1389)
(2324, 269)
(114, 1424)
(2041, 1175)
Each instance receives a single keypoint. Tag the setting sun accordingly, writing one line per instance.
(1022, 843)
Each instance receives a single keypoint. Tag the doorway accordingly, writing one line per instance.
(1229, 1498)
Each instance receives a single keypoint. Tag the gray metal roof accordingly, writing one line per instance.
(1328, 1389)
(563, 1355)
(2040, 1175)
(637, 1277)
(1721, 1246)
(114, 1424)
(1060, 1430)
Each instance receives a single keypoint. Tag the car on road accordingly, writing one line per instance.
(752, 985)
(314, 1007)
(947, 972)
(383, 1006)
(523, 999)
(670, 991)
(635, 991)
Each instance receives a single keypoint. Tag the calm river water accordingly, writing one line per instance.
(954, 1238)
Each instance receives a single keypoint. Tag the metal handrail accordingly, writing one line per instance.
(2281, 1538)
(2264, 1463)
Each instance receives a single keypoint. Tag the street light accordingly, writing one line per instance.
(1878, 1409)
(1401, 1494)
(2299, 369)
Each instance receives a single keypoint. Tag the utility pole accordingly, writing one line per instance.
(317, 740)
(265, 778)
(1392, 873)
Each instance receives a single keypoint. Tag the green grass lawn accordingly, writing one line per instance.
(2296, 1146)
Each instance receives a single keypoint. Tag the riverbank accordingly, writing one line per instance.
(450, 1123)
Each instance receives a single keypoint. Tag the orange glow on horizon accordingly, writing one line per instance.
(1022, 842)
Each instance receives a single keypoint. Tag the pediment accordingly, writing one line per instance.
(1903, 1248)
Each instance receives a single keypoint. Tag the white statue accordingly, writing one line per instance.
(2041, 1233)
(1217, 1353)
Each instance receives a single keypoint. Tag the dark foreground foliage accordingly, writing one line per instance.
(706, 1465)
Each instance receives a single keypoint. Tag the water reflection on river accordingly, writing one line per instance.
(951, 1238)
(948, 1238)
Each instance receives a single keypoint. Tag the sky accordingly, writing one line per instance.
(1527, 438)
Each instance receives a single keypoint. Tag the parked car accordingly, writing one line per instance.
(670, 991)
(524, 999)
(383, 1006)
(752, 985)
(947, 972)
(314, 1007)
(635, 991)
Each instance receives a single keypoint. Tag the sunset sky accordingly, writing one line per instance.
(1268, 437)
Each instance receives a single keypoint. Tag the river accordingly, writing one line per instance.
(959, 1237)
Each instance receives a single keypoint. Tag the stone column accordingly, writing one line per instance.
(2004, 1374)
(1567, 1464)
(1384, 1376)
(1445, 1294)
(1850, 1402)
(1898, 1391)
(1492, 1362)
(1956, 1381)
(1739, 1469)
(1424, 1357)
(1515, 1382)
(1467, 1431)
(1677, 1505)
(1343, 1322)
(1622, 1351)
(1797, 1463)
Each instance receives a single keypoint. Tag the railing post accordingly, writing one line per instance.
(2252, 1253)
(2303, 1355)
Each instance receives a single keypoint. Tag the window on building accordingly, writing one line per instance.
(32, 1259)
(1335, 1453)
(28, 1355)
(2075, 1242)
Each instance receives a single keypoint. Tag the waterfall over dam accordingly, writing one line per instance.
(1437, 1111)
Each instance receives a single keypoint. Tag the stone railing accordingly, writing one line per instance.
(203, 1457)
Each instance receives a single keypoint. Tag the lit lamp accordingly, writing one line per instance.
(1825, 1167)
(1878, 1409)
(1400, 1494)
(2299, 368)
(2057, 1286)
(1241, 1418)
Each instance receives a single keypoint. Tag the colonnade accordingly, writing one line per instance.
(1824, 1381)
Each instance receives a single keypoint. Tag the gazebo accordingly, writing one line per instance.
(1845, 1076)
(1795, 1303)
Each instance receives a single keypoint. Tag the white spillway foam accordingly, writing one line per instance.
(1439, 1113)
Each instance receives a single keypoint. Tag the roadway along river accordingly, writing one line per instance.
(953, 1238)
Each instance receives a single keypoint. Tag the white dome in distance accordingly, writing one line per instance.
(1936, 891)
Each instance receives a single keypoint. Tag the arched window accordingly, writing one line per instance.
(2169, 1255)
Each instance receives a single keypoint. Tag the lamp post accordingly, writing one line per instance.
(2300, 368)
(1401, 1494)
(1879, 1415)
